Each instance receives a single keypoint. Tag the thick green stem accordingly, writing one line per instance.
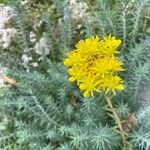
(117, 120)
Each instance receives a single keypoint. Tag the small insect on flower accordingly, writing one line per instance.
(94, 65)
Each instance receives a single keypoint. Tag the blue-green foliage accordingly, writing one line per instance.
(41, 112)
(141, 135)
(44, 111)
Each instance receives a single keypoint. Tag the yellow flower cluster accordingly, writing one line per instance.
(93, 64)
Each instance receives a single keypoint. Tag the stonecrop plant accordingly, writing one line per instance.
(104, 105)
(94, 65)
